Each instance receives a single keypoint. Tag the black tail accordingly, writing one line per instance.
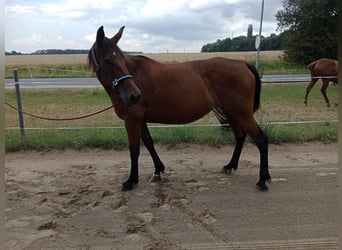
(257, 87)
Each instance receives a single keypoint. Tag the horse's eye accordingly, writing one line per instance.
(107, 61)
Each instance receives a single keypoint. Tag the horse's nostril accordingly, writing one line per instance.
(135, 97)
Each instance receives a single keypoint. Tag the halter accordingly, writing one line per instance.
(115, 81)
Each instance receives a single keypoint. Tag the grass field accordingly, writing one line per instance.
(280, 103)
(34, 60)
(45, 66)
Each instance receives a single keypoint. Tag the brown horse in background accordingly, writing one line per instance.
(325, 69)
(143, 90)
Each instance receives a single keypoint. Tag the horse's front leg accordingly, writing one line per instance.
(134, 133)
(148, 142)
(133, 178)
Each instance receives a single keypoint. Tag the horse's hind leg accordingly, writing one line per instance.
(250, 127)
(261, 142)
(240, 137)
(148, 142)
(308, 89)
(324, 91)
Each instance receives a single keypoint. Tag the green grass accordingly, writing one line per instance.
(280, 67)
(325, 132)
(61, 139)
(82, 70)
(117, 138)
(47, 71)
(279, 103)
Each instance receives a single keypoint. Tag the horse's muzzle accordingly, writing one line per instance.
(131, 97)
(134, 98)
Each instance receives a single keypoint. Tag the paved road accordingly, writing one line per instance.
(55, 83)
(93, 82)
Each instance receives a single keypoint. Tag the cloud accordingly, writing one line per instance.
(17, 9)
(151, 25)
(32, 40)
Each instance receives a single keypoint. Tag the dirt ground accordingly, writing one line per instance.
(72, 200)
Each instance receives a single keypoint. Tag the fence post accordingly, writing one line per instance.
(20, 114)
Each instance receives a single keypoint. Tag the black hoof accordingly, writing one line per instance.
(261, 185)
(156, 178)
(160, 168)
(128, 185)
(228, 170)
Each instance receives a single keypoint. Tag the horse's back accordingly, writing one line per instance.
(216, 63)
(220, 70)
(324, 67)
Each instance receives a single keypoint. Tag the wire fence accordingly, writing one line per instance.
(174, 125)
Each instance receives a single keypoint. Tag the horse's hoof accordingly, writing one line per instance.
(261, 185)
(127, 186)
(228, 170)
(156, 178)
(161, 168)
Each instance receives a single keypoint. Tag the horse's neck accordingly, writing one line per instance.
(132, 63)
(137, 63)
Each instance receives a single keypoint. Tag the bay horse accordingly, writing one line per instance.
(143, 90)
(326, 70)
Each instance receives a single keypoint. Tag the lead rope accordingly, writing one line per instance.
(59, 119)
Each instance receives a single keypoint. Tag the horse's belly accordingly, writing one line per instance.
(181, 101)
(177, 114)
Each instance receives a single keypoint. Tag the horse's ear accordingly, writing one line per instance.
(100, 36)
(118, 35)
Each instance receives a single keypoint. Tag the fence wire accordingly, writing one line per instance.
(267, 79)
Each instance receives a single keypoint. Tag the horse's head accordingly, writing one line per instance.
(108, 61)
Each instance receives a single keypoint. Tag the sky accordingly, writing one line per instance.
(151, 26)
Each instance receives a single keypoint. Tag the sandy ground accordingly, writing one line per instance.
(72, 200)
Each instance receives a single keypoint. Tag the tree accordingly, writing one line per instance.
(250, 31)
(312, 26)
(243, 43)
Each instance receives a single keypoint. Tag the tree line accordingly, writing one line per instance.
(51, 52)
(59, 52)
(247, 43)
(308, 32)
